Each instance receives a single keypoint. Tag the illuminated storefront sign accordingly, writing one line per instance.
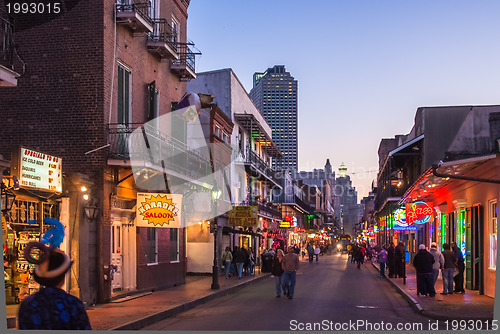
(400, 217)
(404, 228)
(39, 171)
(158, 210)
(290, 221)
(418, 213)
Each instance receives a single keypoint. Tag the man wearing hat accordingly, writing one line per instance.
(423, 263)
(438, 262)
(51, 307)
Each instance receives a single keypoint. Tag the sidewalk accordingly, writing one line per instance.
(468, 306)
(135, 313)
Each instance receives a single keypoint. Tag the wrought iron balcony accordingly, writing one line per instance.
(163, 151)
(8, 77)
(256, 167)
(162, 40)
(184, 66)
(264, 209)
(135, 15)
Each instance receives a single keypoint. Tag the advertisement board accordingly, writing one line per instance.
(245, 216)
(159, 210)
(38, 170)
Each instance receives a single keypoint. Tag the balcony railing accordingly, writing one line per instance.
(260, 166)
(135, 15)
(265, 209)
(6, 43)
(293, 199)
(163, 39)
(175, 155)
(185, 65)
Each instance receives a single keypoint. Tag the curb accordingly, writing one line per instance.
(413, 303)
(153, 318)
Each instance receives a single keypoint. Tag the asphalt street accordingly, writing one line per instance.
(329, 295)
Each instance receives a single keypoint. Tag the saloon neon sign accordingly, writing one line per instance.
(418, 213)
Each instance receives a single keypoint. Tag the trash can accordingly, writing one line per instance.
(267, 263)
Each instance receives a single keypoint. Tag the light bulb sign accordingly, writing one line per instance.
(159, 210)
(418, 212)
(39, 171)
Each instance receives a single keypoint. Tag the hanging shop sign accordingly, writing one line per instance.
(38, 170)
(400, 217)
(159, 210)
(245, 216)
(418, 213)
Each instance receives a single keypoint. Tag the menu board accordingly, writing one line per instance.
(40, 171)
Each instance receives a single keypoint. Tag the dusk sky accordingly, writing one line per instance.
(363, 67)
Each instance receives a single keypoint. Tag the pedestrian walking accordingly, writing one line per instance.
(349, 253)
(423, 263)
(359, 254)
(226, 259)
(252, 260)
(310, 252)
(317, 251)
(290, 265)
(277, 272)
(399, 254)
(459, 277)
(239, 259)
(391, 260)
(51, 308)
(382, 260)
(438, 262)
(450, 263)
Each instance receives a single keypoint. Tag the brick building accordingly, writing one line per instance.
(89, 76)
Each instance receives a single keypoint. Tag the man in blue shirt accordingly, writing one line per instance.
(51, 307)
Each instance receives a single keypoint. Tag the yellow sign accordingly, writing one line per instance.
(243, 216)
(158, 210)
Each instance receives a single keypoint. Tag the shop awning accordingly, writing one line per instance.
(425, 187)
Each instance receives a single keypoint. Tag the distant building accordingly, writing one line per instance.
(346, 209)
(274, 93)
(324, 180)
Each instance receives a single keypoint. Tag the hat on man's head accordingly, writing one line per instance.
(434, 245)
(422, 246)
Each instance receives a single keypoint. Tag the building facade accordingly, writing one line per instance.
(125, 65)
(440, 184)
(275, 93)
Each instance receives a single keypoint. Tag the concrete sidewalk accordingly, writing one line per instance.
(468, 306)
(135, 313)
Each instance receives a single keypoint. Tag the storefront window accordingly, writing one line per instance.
(17, 233)
(493, 214)
(152, 245)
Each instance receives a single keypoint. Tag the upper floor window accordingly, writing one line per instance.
(124, 92)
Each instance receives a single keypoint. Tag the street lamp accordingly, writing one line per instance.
(216, 193)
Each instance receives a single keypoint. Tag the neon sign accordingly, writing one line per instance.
(400, 217)
(418, 213)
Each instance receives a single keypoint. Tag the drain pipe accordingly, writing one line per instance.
(458, 177)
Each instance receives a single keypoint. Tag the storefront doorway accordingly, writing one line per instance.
(116, 255)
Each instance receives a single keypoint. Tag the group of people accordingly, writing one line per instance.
(428, 264)
(313, 251)
(240, 261)
(392, 259)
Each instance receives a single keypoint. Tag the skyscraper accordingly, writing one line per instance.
(274, 93)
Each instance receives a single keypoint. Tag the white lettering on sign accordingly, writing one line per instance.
(40, 170)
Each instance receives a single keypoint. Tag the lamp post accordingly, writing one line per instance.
(216, 193)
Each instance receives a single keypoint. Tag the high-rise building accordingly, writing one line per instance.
(274, 93)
